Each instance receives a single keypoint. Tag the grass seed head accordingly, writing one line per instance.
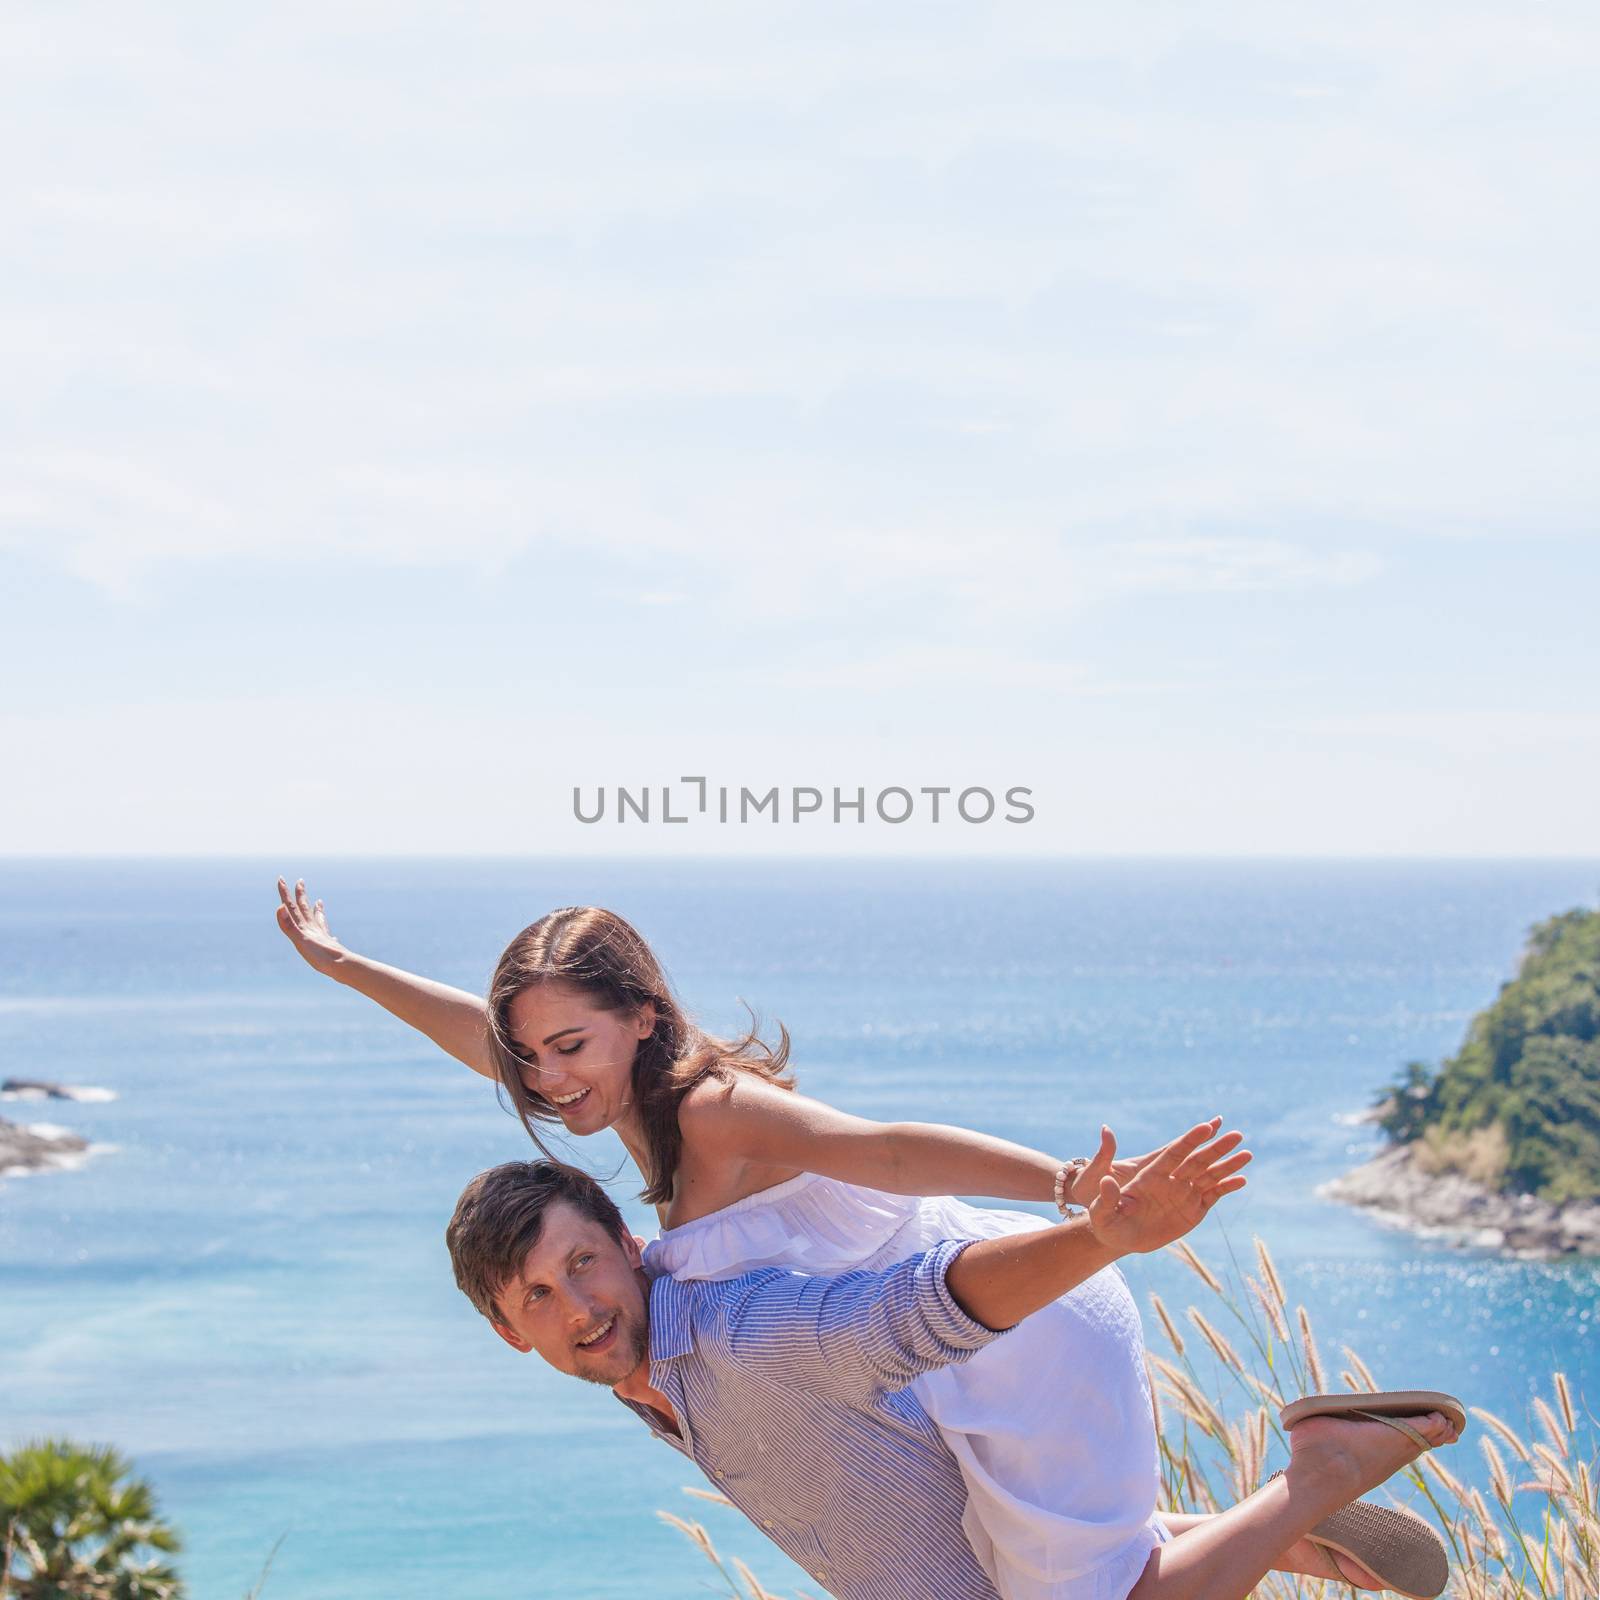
(1224, 1351)
(1270, 1272)
(1309, 1343)
(1505, 1430)
(1173, 1336)
(1197, 1266)
(1552, 1429)
(1564, 1397)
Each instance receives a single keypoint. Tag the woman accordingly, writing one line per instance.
(581, 1028)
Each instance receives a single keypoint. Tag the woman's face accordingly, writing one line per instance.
(576, 1057)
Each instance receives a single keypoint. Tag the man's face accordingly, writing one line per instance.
(576, 1283)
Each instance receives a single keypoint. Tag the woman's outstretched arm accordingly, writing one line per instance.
(1000, 1281)
(754, 1121)
(452, 1018)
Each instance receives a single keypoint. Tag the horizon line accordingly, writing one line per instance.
(991, 857)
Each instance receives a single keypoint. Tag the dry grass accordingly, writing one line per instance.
(741, 1581)
(1539, 1540)
(1480, 1155)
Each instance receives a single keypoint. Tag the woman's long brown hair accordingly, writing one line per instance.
(605, 956)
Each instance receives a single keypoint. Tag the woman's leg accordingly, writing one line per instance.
(1304, 1556)
(1332, 1461)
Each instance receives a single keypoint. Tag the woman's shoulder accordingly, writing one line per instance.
(725, 1101)
(719, 1163)
(726, 1089)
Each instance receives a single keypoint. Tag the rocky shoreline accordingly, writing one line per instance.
(1448, 1205)
(24, 1149)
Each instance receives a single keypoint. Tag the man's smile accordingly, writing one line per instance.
(602, 1337)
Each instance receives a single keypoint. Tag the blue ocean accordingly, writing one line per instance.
(245, 1287)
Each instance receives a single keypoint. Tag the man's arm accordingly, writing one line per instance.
(859, 1333)
(1000, 1281)
(852, 1335)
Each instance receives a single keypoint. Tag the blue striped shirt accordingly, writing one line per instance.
(790, 1391)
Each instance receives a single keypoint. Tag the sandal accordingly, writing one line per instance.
(1397, 1547)
(1387, 1405)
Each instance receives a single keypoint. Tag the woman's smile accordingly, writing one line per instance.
(572, 1103)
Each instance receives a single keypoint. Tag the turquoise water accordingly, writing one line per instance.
(250, 1294)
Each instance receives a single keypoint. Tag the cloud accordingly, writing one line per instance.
(936, 667)
(1233, 565)
(533, 275)
(1010, 576)
(1460, 731)
(669, 355)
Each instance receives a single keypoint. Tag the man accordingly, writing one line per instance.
(789, 1391)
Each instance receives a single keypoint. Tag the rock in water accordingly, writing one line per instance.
(39, 1089)
(30, 1149)
(35, 1086)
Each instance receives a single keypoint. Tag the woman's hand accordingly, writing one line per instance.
(305, 925)
(1170, 1194)
(1124, 1169)
(452, 1018)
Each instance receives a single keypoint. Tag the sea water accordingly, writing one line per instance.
(246, 1287)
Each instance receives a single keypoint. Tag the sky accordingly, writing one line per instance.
(414, 415)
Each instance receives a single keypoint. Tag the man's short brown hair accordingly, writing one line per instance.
(499, 1218)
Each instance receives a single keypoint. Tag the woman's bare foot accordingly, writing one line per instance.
(1357, 1452)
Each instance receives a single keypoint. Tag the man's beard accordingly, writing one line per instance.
(632, 1345)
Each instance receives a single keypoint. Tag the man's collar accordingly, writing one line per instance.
(671, 1332)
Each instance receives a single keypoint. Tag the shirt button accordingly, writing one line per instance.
(821, 1577)
(767, 1523)
(722, 1474)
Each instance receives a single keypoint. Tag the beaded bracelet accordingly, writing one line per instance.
(1066, 1176)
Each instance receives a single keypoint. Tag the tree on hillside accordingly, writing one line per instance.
(1528, 1069)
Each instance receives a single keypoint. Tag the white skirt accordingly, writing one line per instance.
(1052, 1425)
